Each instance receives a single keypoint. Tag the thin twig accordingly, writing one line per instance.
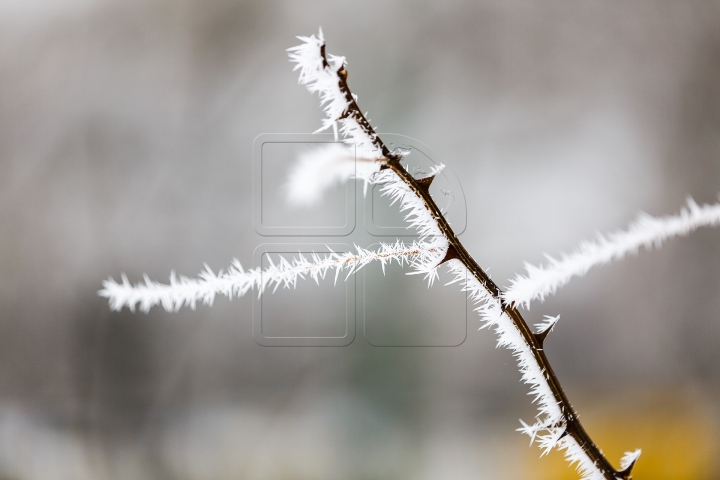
(237, 281)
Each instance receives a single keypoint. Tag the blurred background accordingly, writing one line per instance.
(126, 136)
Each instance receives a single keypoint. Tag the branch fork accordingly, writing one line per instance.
(562, 424)
(557, 424)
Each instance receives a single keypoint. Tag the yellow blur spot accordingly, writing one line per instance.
(674, 430)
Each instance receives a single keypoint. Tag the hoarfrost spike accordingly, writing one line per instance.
(529, 430)
(627, 463)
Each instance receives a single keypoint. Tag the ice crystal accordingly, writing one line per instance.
(543, 281)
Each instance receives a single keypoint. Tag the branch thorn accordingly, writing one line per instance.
(450, 254)
(544, 328)
(425, 182)
(540, 338)
(628, 461)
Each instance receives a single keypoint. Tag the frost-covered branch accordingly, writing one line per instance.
(493, 315)
(556, 418)
(326, 75)
(542, 281)
(236, 281)
(557, 425)
(424, 255)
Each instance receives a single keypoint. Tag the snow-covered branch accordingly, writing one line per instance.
(557, 425)
(551, 423)
(556, 419)
(493, 316)
(236, 281)
(542, 281)
(423, 255)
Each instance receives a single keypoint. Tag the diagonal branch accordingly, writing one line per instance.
(572, 424)
(565, 430)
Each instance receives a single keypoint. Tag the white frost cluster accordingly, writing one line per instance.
(422, 255)
(492, 316)
(629, 459)
(319, 169)
(547, 324)
(323, 80)
(236, 281)
(543, 281)
(417, 215)
(574, 454)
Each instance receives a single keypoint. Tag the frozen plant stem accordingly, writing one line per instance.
(236, 281)
(557, 424)
(534, 341)
(569, 424)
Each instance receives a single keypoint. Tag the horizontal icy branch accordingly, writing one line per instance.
(543, 281)
(236, 281)
(423, 255)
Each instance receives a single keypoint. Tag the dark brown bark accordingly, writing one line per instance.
(456, 250)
